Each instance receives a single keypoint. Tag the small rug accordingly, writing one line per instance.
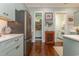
(59, 50)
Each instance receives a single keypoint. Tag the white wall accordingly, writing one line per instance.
(69, 11)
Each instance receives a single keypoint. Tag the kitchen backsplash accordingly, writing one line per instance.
(3, 24)
(16, 27)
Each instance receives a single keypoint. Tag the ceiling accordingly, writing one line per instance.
(72, 5)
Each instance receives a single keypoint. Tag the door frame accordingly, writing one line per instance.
(34, 26)
(56, 12)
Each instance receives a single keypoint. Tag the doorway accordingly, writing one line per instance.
(38, 26)
(60, 22)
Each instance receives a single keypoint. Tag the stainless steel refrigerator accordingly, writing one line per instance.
(23, 25)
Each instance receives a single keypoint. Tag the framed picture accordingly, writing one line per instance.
(48, 16)
(70, 19)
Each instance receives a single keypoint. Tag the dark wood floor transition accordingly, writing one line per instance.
(41, 49)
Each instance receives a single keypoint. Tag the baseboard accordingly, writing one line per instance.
(38, 40)
(38, 37)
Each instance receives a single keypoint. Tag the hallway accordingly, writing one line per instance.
(41, 49)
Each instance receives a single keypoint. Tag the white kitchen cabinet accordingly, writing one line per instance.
(19, 6)
(8, 9)
(2, 9)
(12, 47)
(19, 50)
(12, 53)
(19, 47)
(76, 18)
(71, 45)
(73, 33)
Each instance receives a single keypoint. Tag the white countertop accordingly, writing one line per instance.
(72, 37)
(9, 36)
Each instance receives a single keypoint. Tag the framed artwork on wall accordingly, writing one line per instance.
(48, 16)
(70, 19)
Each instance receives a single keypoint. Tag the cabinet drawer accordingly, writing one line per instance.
(8, 44)
(12, 52)
(18, 50)
(7, 47)
(19, 40)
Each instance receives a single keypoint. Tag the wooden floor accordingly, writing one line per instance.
(41, 49)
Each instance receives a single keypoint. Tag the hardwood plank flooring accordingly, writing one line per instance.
(58, 44)
(41, 49)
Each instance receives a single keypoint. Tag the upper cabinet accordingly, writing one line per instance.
(19, 6)
(8, 9)
(76, 17)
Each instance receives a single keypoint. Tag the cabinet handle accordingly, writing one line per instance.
(5, 13)
(17, 47)
(16, 39)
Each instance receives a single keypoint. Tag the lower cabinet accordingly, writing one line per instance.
(71, 47)
(20, 50)
(12, 53)
(73, 33)
(13, 47)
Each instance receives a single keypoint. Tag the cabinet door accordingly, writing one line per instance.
(10, 10)
(76, 15)
(20, 50)
(12, 52)
(2, 9)
(7, 10)
(12, 47)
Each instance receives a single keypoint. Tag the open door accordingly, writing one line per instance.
(38, 26)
